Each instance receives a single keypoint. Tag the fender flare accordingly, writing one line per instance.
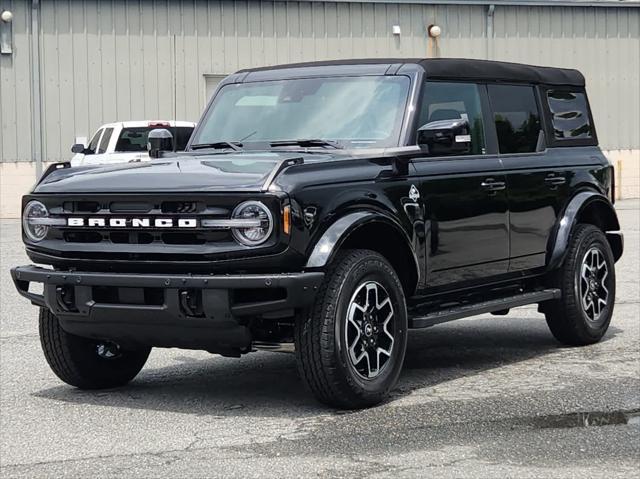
(334, 236)
(560, 240)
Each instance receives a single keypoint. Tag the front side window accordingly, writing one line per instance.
(104, 143)
(516, 116)
(569, 115)
(93, 144)
(356, 112)
(451, 119)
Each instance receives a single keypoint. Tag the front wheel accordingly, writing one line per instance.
(87, 363)
(588, 284)
(351, 344)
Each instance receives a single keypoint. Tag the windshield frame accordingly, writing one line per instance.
(414, 73)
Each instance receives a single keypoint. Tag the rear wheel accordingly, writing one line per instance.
(350, 345)
(87, 363)
(588, 284)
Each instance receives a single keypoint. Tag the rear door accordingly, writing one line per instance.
(463, 195)
(537, 180)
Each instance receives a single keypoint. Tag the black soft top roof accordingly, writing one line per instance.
(461, 68)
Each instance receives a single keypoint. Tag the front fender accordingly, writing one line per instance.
(578, 205)
(331, 240)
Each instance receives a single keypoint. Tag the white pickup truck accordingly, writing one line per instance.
(126, 141)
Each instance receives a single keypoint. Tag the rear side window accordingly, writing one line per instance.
(516, 116)
(569, 115)
(104, 143)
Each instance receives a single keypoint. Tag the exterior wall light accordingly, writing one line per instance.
(6, 16)
(434, 31)
(6, 47)
(396, 30)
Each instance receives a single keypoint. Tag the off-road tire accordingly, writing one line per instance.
(567, 320)
(75, 360)
(322, 356)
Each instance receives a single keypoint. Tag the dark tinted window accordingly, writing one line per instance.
(569, 115)
(516, 117)
(452, 101)
(104, 143)
(181, 136)
(135, 139)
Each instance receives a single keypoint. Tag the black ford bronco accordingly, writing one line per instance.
(327, 208)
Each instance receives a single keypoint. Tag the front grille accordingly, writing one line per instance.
(151, 210)
(168, 209)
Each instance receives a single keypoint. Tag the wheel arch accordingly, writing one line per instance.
(589, 207)
(374, 231)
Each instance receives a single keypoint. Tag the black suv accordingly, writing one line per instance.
(328, 208)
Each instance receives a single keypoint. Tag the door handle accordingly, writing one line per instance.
(493, 185)
(555, 181)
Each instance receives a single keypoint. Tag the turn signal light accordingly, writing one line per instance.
(286, 220)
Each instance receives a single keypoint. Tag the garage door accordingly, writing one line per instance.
(211, 83)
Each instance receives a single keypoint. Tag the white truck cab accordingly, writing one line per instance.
(126, 141)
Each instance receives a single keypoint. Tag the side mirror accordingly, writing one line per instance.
(78, 148)
(159, 140)
(446, 137)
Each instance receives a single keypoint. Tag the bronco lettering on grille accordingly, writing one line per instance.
(133, 222)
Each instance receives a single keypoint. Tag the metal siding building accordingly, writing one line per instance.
(77, 64)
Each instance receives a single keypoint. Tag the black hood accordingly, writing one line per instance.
(238, 171)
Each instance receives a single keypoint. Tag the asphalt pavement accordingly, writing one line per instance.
(481, 397)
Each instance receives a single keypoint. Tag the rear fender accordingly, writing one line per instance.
(585, 207)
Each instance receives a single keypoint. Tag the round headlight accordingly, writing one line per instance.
(32, 221)
(259, 223)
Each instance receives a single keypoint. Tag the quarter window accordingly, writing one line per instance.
(454, 101)
(516, 116)
(104, 143)
(569, 115)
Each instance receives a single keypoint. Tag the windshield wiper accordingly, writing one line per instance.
(308, 143)
(236, 146)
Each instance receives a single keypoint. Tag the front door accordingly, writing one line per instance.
(463, 194)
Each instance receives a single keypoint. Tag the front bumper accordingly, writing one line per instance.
(210, 312)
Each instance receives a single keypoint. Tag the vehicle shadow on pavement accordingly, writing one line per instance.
(268, 384)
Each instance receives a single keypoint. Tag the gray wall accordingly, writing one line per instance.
(103, 61)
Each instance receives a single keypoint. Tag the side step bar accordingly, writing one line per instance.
(466, 310)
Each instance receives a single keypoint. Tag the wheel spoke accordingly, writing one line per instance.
(357, 359)
(352, 316)
(372, 296)
(585, 300)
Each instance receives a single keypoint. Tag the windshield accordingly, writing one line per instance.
(356, 112)
(134, 139)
